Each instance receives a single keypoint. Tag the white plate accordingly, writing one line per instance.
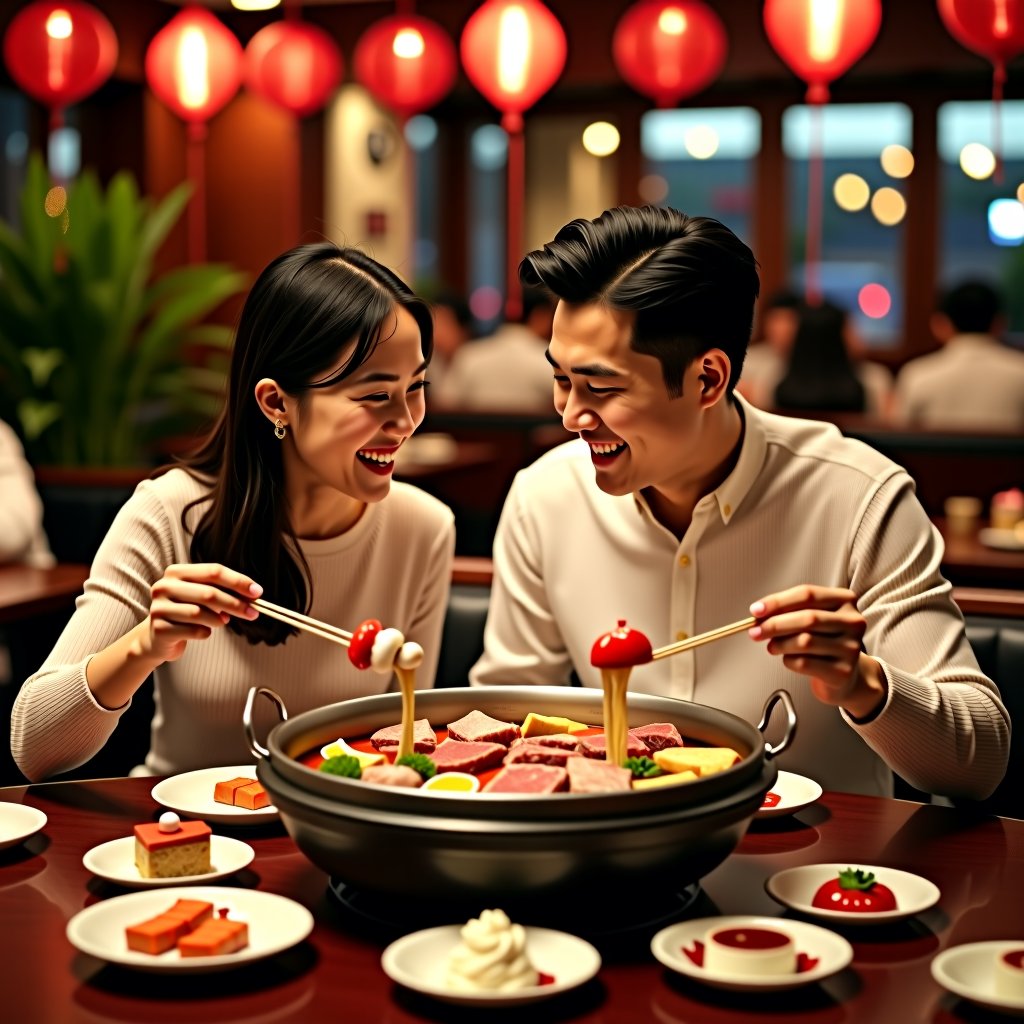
(796, 887)
(796, 791)
(192, 794)
(418, 961)
(275, 923)
(18, 822)
(969, 971)
(832, 952)
(115, 861)
(1004, 540)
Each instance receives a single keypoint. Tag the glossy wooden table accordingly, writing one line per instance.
(968, 562)
(26, 592)
(335, 975)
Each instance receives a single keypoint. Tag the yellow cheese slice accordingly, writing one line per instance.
(665, 780)
(339, 747)
(548, 725)
(702, 760)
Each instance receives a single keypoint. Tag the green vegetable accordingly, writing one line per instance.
(853, 878)
(420, 763)
(642, 767)
(344, 764)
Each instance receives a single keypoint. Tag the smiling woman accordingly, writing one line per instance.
(286, 496)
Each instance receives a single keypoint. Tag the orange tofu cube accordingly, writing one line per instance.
(253, 796)
(157, 935)
(215, 938)
(192, 912)
(224, 792)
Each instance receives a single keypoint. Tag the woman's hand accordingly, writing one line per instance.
(190, 602)
(818, 633)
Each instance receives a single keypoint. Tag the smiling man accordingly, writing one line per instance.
(681, 507)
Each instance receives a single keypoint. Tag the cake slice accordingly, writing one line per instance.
(215, 938)
(172, 848)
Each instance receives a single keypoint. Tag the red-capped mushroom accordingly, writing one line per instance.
(621, 648)
(360, 648)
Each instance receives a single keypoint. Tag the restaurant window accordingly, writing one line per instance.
(701, 161)
(982, 228)
(866, 158)
(488, 157)
(421, 135)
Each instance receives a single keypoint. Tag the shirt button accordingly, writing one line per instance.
(684, 560)
(682, 636)
(727, 510)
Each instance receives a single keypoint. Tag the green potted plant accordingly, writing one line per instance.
(92, 343)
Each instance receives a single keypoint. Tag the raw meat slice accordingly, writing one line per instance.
(457, 756)
(528, 778)
(588, 775)
(595, 746)
(423, 738)
(476, 727)
(532, 752)
(658, 736)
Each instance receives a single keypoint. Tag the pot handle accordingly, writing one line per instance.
(787, 702)
(258, 750)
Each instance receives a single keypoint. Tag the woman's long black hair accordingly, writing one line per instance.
(304, 309)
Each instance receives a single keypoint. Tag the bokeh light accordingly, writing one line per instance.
(488, 147)
(897, 161)
(600, 138)
(851, 192)
(1020, 192)
(653, 188)
(888, 206)
(56, 200)
(874, 300)
(977, 161)
(421, 132)
(485, 302)
(701, 141)
(1006, 222)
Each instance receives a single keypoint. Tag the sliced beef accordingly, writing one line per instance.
(587, 775)
(562, 740)
(531, 752)
(528, 778)
(457, 756)
(658, 736)
(393, 775)
(476, 727)
(595, 746)
(423, 738)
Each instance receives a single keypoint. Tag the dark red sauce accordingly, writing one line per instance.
(751, 938)
(1014, 958)
(545, 979)
(804, 962)
(771, 800)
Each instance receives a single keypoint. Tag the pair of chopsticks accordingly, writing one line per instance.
(324, 630)
(703, 638)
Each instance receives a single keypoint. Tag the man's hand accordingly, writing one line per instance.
(818, 633)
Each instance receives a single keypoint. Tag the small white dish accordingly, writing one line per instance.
(275, 923)
(418, 961)
(969, 971)
(795, 888)
(18, 822)
(1003, 540)
(832, 952)
(115, 862)
(794, 791)
(191, 794)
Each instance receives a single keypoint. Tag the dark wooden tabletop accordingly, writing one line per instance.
(26, 592)
(335, 975)
(968, 562)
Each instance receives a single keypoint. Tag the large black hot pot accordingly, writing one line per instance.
(436, 845)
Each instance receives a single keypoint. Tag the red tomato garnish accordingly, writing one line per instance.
(856, 892)
(771, 800)
(621, 648)
(361, 645)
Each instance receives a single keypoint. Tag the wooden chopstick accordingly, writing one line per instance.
(321, 629)
(703, 638)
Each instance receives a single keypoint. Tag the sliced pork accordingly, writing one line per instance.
(530, 752)
(596, 746)
(528, 778)
(476, 727)
(587, 775)
(423, 737)
(658, 736)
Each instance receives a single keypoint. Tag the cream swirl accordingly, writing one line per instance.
(492, 955)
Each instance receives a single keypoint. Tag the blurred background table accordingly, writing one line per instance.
(969, 563)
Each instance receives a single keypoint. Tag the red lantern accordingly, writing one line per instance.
(194, 65)
(669, 49)
(513, 52)
(294, 65)
(820, 41)
(407, 62)
(60, 52)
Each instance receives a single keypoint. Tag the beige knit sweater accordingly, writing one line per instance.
(393, 565)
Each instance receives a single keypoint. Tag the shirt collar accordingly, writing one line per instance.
(729, 495)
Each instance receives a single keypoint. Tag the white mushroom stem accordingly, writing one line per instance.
(410, 655)
(386, 645)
